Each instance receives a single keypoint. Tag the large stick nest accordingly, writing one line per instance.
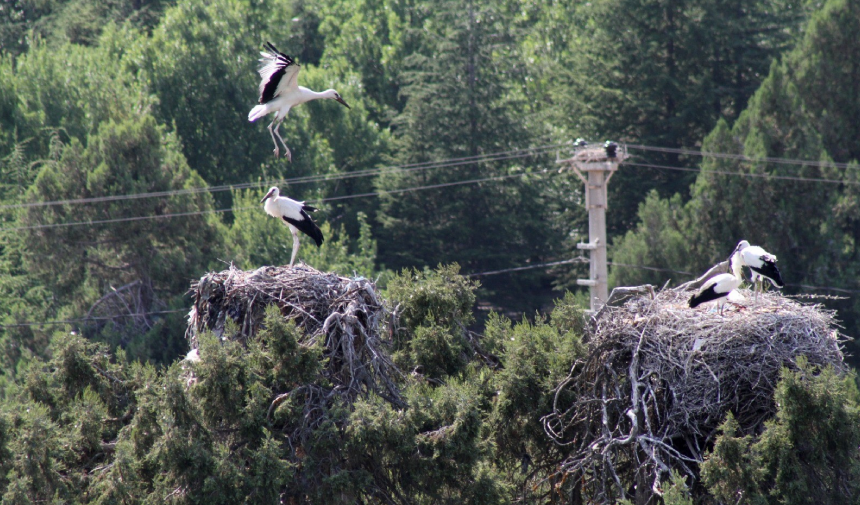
(347, 314)
(660, 378)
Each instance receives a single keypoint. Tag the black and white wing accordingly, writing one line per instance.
(715, 288)
(763, 263)
(296, 214)
(279, 74)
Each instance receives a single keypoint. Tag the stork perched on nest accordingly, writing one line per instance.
(280, 91)
(761, 263)
(717, 289)
(295, 215)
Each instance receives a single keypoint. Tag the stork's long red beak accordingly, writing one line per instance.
(267, 196)
(341, 101)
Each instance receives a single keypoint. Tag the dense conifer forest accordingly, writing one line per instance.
(128, 170)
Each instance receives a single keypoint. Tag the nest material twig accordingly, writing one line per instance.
(347, 313)
(660, 378)
(597, 153)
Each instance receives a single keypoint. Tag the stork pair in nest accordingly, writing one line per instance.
(718, 289)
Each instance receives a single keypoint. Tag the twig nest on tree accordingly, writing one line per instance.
(660, 378)
(346, 313)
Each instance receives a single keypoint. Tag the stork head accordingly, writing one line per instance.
(273, 192)
(334, 95)
(743, 244)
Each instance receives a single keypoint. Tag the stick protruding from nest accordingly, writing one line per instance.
(347, 314)
(660, 378)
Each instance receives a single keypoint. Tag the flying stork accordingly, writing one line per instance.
(761, 263)
(716, 290)
(279, 92)
(295, 215)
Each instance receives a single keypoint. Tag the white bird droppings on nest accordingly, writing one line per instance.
(660, 378)
(347, 313)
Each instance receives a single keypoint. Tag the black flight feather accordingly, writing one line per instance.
(271, 86)
(768, 269)
(707, 295)
(307, 226)
(275, 49)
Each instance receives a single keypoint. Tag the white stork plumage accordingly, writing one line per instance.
(295, 215)
(717, 289)
(280, 91)
(761, 263)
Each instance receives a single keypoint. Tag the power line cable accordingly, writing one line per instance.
(231, 209)
(744, 174)
(579, 259)
(406, 168)
(88, 319)
(123, 219)
(446, 163)
(642, 267)
(743, 157)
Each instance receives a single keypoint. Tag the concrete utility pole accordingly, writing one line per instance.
(599, 163)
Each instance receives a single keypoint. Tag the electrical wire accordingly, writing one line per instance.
(88, 319)
(447, 163)
(406, 168)
(743, 157)
(124, 219)
(503, 155)
(642, 267)
(579, 259)
(232, 209)
(746, 174)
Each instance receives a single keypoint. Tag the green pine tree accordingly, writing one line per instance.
(135, 263)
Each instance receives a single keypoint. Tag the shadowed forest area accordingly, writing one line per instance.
(129, 170)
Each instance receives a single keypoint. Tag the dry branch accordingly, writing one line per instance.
(660, 378)
(128, 308)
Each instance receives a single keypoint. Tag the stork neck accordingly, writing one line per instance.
(737, 268)
(307, 95)
(270, 205)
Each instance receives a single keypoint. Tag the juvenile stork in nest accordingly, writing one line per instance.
(280, 92)
(717, 289)
(295, 215)
(761, 263)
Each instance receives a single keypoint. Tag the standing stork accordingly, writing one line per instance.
(295, 215)
(716, 290)
(761, 263)
(280, 92)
